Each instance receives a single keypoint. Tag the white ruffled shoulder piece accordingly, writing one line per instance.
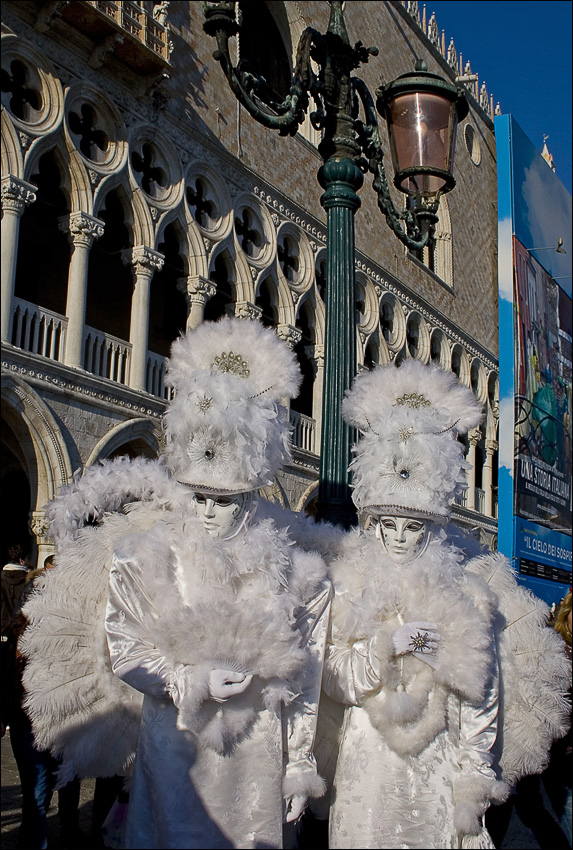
(79, 710)
(535, 672)
(322, 538)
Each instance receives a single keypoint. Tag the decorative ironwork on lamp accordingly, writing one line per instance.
(423, 110)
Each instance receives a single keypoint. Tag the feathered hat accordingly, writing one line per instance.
(408, 461)
(225, 427)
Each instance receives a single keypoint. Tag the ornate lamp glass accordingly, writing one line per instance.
(422, 111)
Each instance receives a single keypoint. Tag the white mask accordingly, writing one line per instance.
(223, 516)
(404, 538)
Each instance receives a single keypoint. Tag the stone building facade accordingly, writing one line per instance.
(139, 199)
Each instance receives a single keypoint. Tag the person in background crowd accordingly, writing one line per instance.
(528, 799)
(36, 767)
(14, 578)
(557, 777)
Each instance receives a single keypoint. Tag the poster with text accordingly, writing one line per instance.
(543, 453)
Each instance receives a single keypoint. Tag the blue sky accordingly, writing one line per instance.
(523, 52)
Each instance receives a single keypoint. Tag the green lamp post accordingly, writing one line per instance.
(422, 111)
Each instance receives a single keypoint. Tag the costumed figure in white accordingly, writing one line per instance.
(213, 614)
(419, 634)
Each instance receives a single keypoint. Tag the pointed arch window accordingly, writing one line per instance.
(303, 403)
(266, 300)
(223, 302)
(109, 278)
(43, 247)
(168, 306)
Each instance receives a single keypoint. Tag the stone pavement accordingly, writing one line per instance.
(518, 837)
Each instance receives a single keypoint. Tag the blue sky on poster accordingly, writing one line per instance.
(523, 52)
(531, 197)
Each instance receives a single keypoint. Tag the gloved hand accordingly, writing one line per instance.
(419, 638)
(294, 806)
(227, 683)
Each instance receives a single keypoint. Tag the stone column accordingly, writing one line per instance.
(198, 290)
(490, 449)
(16, 195)
(474, 437)
(83, 229)
(145, 262)
(292, 336)
(317, 392)
(39, 527)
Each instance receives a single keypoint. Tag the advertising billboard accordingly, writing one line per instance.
(534, 229)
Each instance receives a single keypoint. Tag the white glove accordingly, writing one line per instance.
(227, 683)
(295, 806)
(419, 638)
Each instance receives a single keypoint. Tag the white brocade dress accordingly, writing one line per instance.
(184, 793)
(411, 788)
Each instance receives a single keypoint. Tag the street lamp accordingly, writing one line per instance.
(422, 110)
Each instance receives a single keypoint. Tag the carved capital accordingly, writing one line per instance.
(491, 446)
(17, 194)
(198, 289)
(246, 310)
(145, 261)
(39, 526)
(82, 228)
(289, 334)
(474, 436)
(316, 354)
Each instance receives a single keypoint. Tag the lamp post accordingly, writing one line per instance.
(422, 110)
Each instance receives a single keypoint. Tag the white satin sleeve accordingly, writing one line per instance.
(130, 624)
(476, 786)
(351, 674)
(301, 776)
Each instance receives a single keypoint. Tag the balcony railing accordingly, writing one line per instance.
(106, 356)
(304, 430)
(155, 376)
(134, 19)
(38, 330)
(462, 501)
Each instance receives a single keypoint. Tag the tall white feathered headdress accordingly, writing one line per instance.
(226, 429)
(408, 461)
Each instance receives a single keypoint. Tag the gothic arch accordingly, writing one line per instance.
(140, 430)
(244, 283)
(143, 226)
(41, 441)
(118, 182)
(443, 250)
(56, 147)
(307, 496)
(197, 256)
(177, 218)
(285, 305)
(12, 161)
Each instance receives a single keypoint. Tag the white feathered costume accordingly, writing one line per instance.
(423, 751)
(208, 773)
